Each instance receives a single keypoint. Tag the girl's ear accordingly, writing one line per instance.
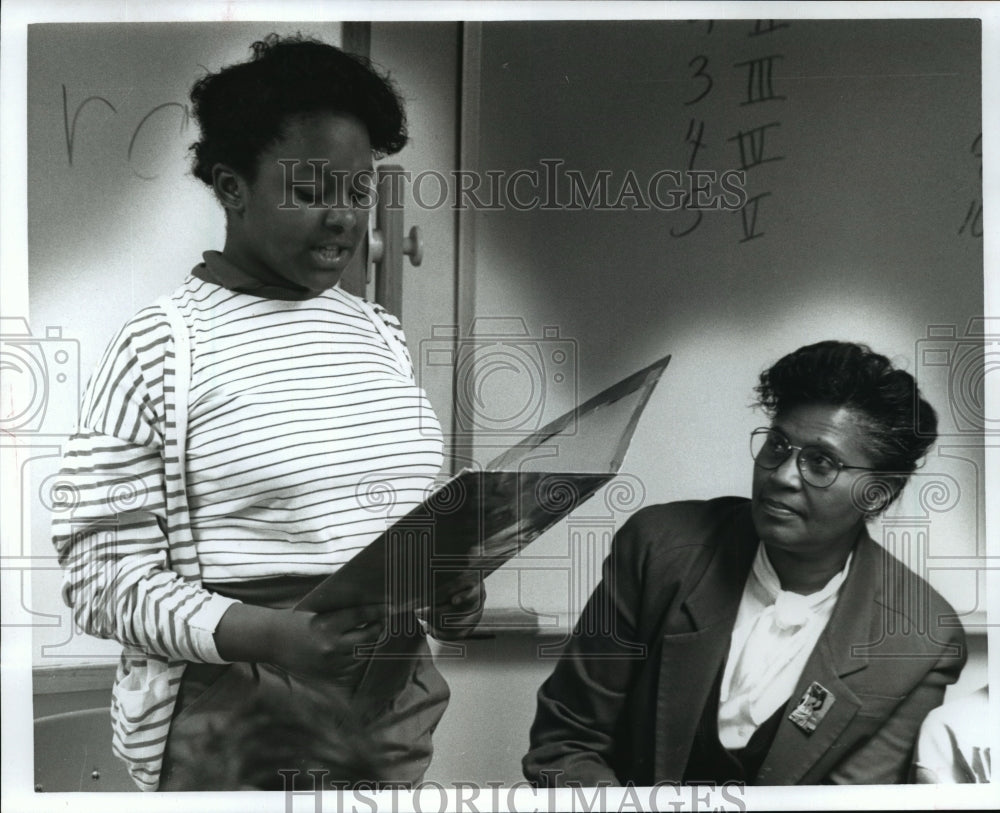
(228, 187)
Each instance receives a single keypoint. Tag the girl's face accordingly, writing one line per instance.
(299, 223)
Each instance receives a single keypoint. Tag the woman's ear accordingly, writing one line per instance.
(228, 187)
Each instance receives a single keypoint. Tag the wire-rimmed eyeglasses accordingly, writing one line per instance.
(818, 466)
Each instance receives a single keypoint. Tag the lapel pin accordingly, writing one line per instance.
(812, 708)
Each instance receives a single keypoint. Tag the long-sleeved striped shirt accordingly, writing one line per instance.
(306, 436)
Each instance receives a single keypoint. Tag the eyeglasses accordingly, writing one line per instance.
(818, 467)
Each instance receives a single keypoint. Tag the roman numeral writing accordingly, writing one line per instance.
(761, 27)
(751, 144)
(760, 79)
(748, 217)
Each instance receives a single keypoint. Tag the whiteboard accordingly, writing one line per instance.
(860, 144)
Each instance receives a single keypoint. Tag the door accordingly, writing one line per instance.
(422, 60)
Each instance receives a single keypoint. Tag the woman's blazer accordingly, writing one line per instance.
(625, 699)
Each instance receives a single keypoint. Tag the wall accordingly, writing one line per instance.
(859, 140)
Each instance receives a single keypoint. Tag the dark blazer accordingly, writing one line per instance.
(625, 699)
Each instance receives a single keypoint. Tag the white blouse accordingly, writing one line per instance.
(774, 634)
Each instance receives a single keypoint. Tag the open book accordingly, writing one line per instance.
(480, 518)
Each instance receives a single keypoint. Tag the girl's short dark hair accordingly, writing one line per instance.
(243, 109)
(900, 425)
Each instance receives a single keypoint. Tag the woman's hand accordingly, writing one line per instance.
(320, 645)
(460, 610)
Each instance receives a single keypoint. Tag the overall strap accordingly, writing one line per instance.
(182, 377)
(394, 342)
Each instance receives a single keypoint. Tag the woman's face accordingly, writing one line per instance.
(791, 515)
(299, 223)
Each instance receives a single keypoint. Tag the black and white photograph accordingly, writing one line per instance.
(499, 406)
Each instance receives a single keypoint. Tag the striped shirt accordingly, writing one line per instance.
(131, 538)
(306, 435)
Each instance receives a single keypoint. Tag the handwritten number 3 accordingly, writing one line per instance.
(702, 62)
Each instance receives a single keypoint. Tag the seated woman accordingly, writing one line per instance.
(768, 641)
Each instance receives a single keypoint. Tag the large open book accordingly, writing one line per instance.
(480, 518)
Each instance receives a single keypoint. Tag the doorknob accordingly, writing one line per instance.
(413, 246)
(387, 243)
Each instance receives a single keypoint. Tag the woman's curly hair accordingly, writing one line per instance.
(243, 109)
(899, 424)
